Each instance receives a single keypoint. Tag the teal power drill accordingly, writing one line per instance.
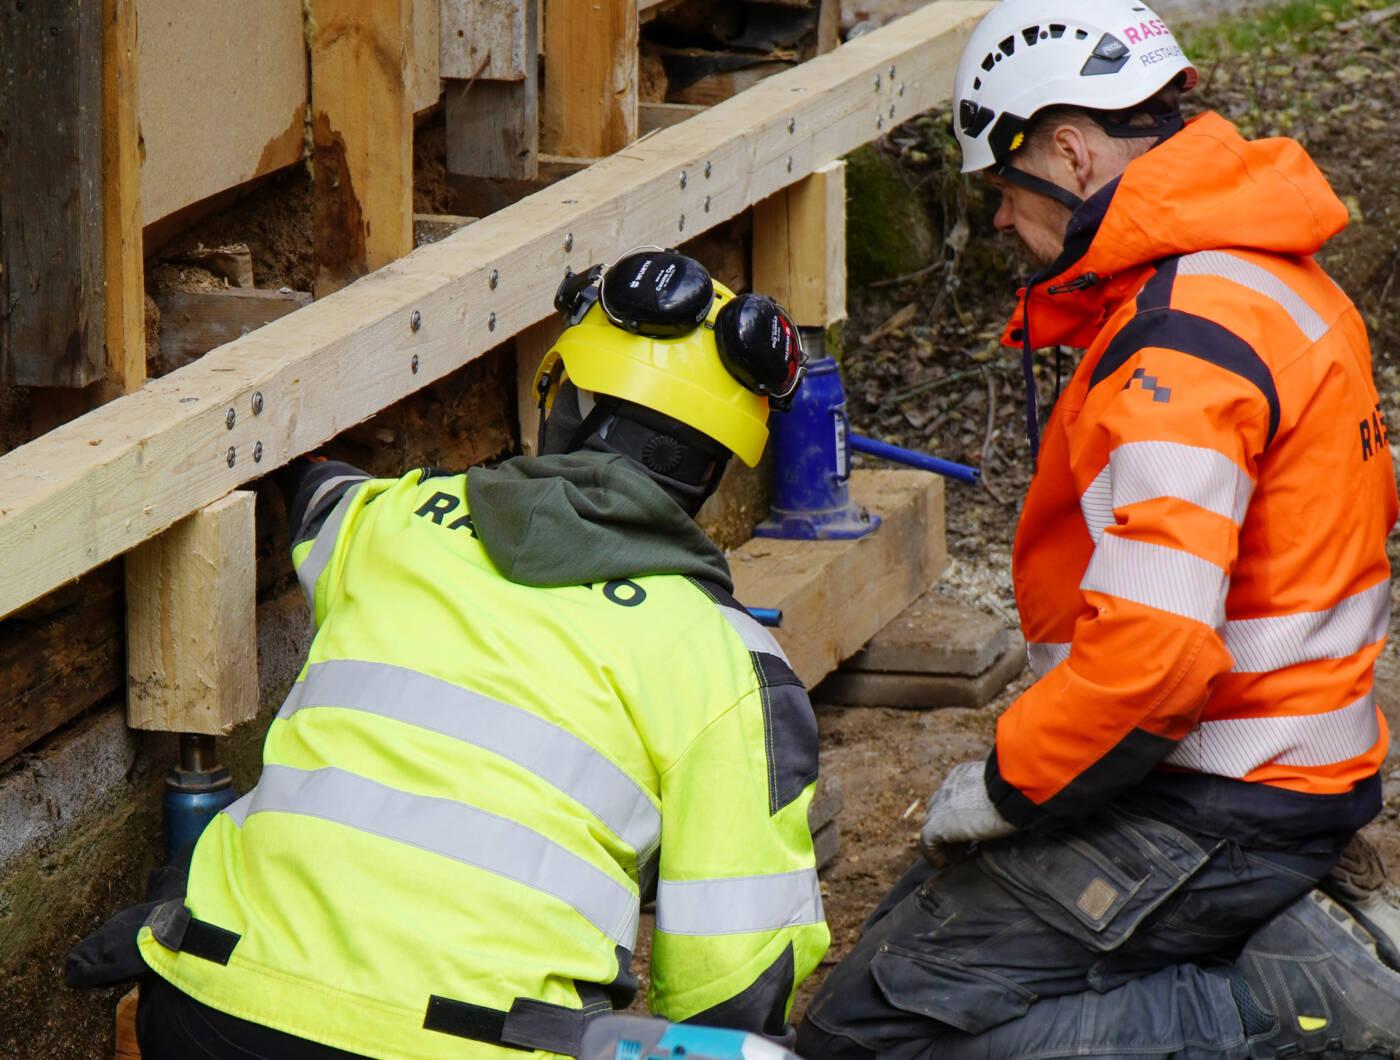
(618, 1037)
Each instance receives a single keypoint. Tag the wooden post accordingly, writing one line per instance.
(530, 347)
(799, 247)
(362, 132)
(124, 300)
(489, 60)
(51, 329)
(828, 25)
(192, 652)
(590, 81)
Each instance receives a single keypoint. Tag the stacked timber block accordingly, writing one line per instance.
(939, 652)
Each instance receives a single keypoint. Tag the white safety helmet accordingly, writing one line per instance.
(1026, 55)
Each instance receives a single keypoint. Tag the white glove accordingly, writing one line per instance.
(960, 811)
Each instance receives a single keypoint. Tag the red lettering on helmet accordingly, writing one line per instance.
(1133, 35)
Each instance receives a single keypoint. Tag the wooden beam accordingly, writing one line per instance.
(590, 80)
(836, 595)
(492, 92)
(192, 651)
(530, 347)
(799, 247)
(194, 322)
(124, 293)
(94, 488)
(51, 329)
(362, 135)
(828, 25)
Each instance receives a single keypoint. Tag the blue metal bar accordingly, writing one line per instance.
(766, 616)
(900, 455)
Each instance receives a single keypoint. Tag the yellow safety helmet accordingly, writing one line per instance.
(645, 331)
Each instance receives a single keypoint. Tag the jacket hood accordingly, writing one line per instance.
(1206, 188)
(574, 518)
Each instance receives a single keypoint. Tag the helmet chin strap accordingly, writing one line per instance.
(1039, 185)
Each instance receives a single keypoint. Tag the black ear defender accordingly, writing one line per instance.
(657, 293)
(760, 346)
(576, 294)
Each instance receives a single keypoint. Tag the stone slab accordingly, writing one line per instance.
(922, 691)
(936, 634)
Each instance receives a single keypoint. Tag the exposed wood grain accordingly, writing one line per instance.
(591, 70)
(194, 322)
(192, 653)
(362, 133)
(124, 301)
(799, 247)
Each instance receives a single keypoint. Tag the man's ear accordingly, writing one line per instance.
(1072, 150)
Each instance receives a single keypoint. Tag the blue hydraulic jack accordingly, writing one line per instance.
(812, 446)
(195, 790)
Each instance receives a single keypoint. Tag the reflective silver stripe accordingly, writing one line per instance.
(1260, 645)
(1234, 747)
(1045, 657)
(238, 809)
(551, 753)
(755, 637)
(738, 905)
(325, 488)
(1156, 576)
(1259, 280)
(453, 830)
(311, 567)
(1144, 471)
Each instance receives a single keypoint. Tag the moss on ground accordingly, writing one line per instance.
(888, 233)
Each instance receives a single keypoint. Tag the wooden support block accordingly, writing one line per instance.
(362, 136)
(799, 247)
(653, 116)
(127, 1048)
(491, 94)
(935, 634)
(124, 294)
(51, 246)
(530, 347)
(192, 652)
(194, 322)
(836, 595)
(490, 40)
(591, 72)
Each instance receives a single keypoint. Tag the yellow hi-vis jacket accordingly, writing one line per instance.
(474, 781)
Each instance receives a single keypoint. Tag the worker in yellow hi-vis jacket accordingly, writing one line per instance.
(531, 700)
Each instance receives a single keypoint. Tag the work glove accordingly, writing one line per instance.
(960, 811)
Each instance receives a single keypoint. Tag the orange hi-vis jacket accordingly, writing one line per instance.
(1200, 565)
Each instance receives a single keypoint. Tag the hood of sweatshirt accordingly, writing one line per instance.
(573, 518)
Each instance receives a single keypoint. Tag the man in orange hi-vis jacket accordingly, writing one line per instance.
(1202, 579)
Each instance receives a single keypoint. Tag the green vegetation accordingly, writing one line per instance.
(1289, 26)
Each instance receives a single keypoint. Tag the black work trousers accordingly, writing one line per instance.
(171, 1025)
(1090, 907)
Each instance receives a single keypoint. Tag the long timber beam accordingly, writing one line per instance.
(103, 483)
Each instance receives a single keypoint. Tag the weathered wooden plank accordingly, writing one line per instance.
(194, 322)
(192, 651)
(530, 347)
(799, 247)
(494, 40)
(60, 658)
(223, 96)
(493, 124)
(96, 487)
(362, 134)
(124, 297)
(653, 116)
(591, 68)
(836, 595)
(51, 325)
